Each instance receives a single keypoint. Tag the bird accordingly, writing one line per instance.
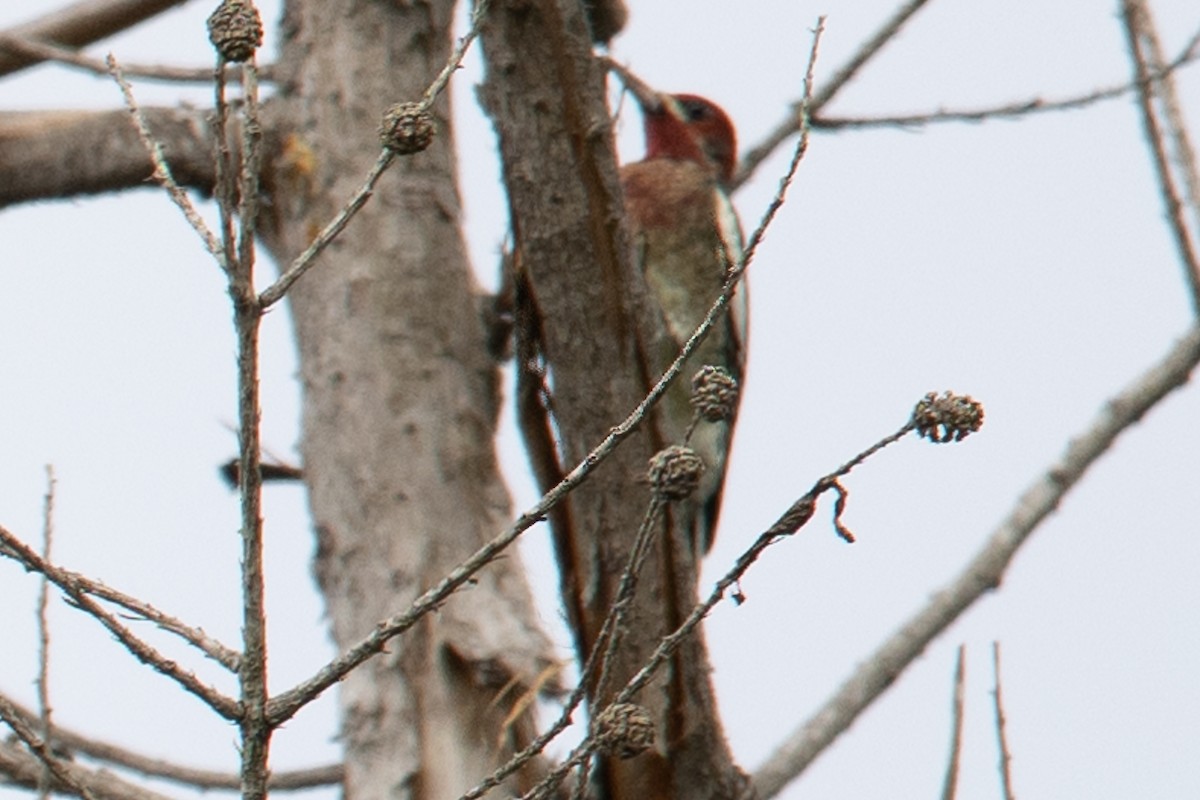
(687, 240)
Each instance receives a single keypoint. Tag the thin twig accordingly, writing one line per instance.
(162, 172)
(950, 785)
(880, 669)
(608, 631)
(251, 165)
(1164, 76)
(869, 48)
(303, 262)
(797, 156)
(40, 747)
(625, 592)
(14, 548)
(78, 24)
(43, 628)
(756, 155)
(789, 523)
(225, 656)
(818, 101)
(224, 186)
(98, 750)
(1011, 110)
(253, 725)
(1001, 728)
(578, 694)
(1139, 29)
(454, 62)
(45, 51)
(23, 769)
(616, 613)
(214, 649)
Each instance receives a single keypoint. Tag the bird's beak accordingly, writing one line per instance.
(652, 102)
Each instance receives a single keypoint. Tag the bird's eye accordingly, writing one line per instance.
(696, 110)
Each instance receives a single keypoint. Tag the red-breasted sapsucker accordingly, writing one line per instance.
(687, 240)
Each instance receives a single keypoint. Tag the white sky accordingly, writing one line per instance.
(1025, 263)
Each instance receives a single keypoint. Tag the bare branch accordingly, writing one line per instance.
(12, 547)
(1016, 108)
(950, 786)
(868, 50)
(214, 649)
(439, 83)
(303, 262)
(612, 628)
(1001, 734)
(204, 779)
(1164, 76)
(95, 749)
(1010, 110)
(798, 515)
(79, 24)
(841, 77)
(790, 522)
(225, 656)
(41, 749)
(22, 769)
(162, 172)
(247, 311)
(248, 191)
(43, 51)
(983, 573)
(1140, 33)
(225, 187)
(47, 155)
(605, 645)
(43, 628)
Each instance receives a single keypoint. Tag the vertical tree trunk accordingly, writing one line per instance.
(545, 91)
(400, 404)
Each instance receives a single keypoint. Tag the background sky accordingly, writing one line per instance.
(1025, 263)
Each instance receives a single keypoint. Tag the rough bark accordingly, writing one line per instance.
(545, 92)
(399, 406)
(54, 154)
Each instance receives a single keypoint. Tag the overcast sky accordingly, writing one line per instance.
(1025, 263)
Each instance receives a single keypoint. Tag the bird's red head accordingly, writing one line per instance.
(690, 128)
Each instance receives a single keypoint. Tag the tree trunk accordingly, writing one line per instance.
(400, 402)
(545, 92)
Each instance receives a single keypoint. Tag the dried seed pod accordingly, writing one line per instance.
(624, 730)
(675, 472)
(407, 128)
(714, 393)
(235, 29)
(949, 418)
